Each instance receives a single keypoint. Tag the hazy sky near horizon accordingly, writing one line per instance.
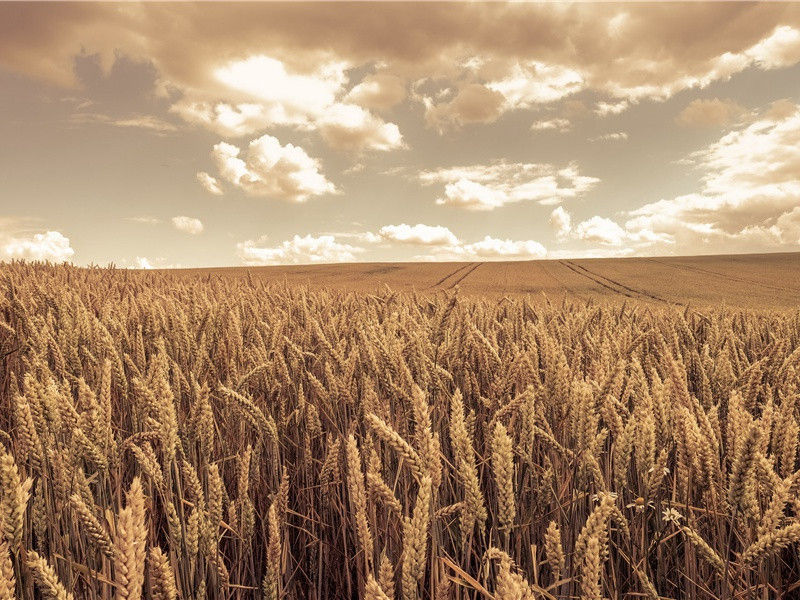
(157, 135)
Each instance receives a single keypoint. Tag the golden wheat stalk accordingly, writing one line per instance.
(46, 578)
(130, 539)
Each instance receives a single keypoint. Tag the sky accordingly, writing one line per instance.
(158, 135)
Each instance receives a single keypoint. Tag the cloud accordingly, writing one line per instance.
(188, 225)
(298, 250)
(600, 230)
(561, 222)
(750, 188)
(142, 262)
(446, 245)
(285, 98)
(605, 109)
(147, 122)
(490, 247)
(615, 136)
(474, 103)
(613, 239)
(51, 246)
(272, 170)
(209, 183)
(379, 91)
(144, 220)
(490, 186)
(226, 119)
(556, 124)
(530, 83)
(270, 95)
(429, 235)
(350, 127)
(709, 112)
(531, 52)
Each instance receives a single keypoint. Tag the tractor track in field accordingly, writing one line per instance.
(464, 276)
(610, 284)
(724, 276)
(449, 275)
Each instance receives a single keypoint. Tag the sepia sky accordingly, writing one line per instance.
(159, 135)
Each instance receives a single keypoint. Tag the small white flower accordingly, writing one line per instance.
(673, 516)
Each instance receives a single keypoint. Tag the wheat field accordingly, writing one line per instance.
(202, 437)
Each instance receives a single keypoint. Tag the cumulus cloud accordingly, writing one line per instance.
(350, 127)
(379, 91)
(285, 98)
(486, 187)
(709, 112)
(188, 225)
(561, 222)
(299, 250)
(50, 245)
(429, 235)
(490, 247)
(751, 184)
(209, 183)
(270, 95)
(272, 170)
(600, 230)
(606, 236)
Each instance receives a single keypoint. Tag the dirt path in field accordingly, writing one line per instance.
(613, 285)
(696, 269)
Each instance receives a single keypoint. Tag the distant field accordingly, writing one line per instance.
(751, 280)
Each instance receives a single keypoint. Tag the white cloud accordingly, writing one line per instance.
(350, 127)
(780, 49)
(142, 262)
(615, 136)
(605, 109)
(51, 246)
(486, 187)
(613, 239)
(561, 221)
(286, 98)
(430, 235)
(188, 225)
(557, 124)
(298, 250)
(272, 170)
(600, 230)
(230, 120)
(534, 82)
(490, 247)
(209, 183)
(751, 185)
(269, 95)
